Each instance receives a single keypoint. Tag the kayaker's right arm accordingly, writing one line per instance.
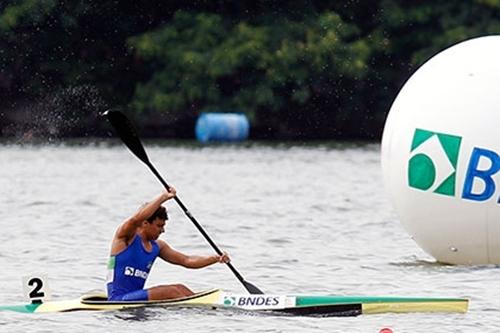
(128, 229)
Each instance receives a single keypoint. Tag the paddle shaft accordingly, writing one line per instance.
(129, 136)
(197, 225)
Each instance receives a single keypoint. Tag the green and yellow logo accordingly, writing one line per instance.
(433, 162)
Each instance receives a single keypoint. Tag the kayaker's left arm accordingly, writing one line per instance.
(189, 261)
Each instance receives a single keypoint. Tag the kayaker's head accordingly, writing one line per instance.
(154, 226)
(160, 213)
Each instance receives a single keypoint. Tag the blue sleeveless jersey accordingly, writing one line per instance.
(129, 269)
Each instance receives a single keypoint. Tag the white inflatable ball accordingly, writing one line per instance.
(440, 153)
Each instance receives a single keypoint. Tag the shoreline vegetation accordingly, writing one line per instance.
(112, 141)
(306, 70)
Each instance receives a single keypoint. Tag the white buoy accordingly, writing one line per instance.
(440, 153)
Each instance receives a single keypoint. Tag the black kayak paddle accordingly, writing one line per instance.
(128, 135)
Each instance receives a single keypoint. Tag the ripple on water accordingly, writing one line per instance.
(293, 219)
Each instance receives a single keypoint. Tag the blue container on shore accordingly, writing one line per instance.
(222, 127)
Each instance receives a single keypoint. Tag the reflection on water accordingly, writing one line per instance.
(140, 314)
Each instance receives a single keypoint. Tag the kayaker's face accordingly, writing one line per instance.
(156, 228)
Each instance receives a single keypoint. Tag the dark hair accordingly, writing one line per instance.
(161, 213)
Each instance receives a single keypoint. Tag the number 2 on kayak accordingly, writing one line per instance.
(35, 288)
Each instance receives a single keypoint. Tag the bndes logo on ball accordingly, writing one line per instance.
(433, 166)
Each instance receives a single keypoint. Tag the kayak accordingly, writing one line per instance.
(274, 304)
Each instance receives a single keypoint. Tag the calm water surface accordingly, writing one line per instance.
(295, 219)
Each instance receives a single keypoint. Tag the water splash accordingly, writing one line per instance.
(69, 112)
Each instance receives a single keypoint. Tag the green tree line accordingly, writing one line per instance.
(297, 69)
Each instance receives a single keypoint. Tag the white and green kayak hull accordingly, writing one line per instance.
(295, 305)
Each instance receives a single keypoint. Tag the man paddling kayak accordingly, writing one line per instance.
(135, 247)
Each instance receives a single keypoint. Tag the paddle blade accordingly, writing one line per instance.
(127, 133)
(252, 289)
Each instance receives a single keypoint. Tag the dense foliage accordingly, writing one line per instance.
(298, 69)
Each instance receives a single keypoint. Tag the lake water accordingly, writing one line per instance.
(308, 219)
